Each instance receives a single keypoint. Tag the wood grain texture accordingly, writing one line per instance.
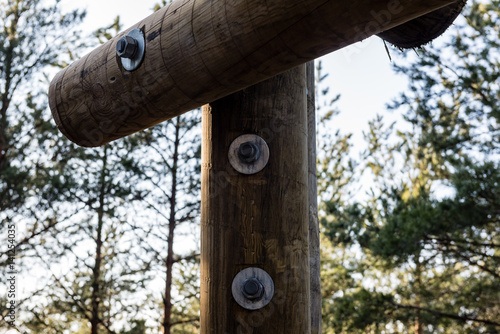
(259, 220)
(314, 236)
(198, 51)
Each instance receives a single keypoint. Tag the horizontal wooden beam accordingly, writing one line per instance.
(198, 51)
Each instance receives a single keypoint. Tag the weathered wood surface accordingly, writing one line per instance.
(258, 220)
(198, 51)
(314, 237)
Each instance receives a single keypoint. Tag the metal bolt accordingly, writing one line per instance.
(248, 152)
(127, 47)
(253, 289)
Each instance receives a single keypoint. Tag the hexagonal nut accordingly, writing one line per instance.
(253, 289)
(126, 47)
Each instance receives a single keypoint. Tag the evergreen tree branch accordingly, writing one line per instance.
(84, 311)
(76, 301)
(180, 322)
(186, 258)
(463, 318)
(460, 254)
(161, 154)
(462, 241)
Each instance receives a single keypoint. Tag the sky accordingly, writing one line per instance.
(361, 73)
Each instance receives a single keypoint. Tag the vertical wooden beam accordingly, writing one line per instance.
(314, 240)
(258, 220)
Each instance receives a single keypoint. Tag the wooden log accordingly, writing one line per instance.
(198, 51)
(258, 220)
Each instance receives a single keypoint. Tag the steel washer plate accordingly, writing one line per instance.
(248, 168)
(133, 64)
(265, 280)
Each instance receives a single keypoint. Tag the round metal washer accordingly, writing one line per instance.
(239, 282)
(133, 64)
(245, 167)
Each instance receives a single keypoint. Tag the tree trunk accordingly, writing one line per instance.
(258, 220)
(419, 328)
(6, 98)
(167, 301)
(96, 297)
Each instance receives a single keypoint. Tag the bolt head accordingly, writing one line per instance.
(127, 47)
(248, 152)
(253, 289)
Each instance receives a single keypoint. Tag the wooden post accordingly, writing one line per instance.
(258, 220)
(314, 237)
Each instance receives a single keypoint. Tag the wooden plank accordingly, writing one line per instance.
(198, 51)
(258, 220)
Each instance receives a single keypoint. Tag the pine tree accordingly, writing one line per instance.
(120, 208)
(336, 172)
(430, 233)
(170, 172)
(33, 35)
(92, 271)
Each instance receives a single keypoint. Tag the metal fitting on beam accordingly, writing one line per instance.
(252, 288)
(127, 47)
(248, 154)
(131, 49)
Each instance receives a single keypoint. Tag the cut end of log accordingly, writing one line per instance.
(424, 29)
(54, 110)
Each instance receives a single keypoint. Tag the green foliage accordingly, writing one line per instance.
(161, 4)
(29, 33)
(106, 33)
(170, 188)
(91, 222)
(186, 310)
(426, 243)
(33, 35)
(138, 327)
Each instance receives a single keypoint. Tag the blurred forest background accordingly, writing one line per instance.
(107, 238)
